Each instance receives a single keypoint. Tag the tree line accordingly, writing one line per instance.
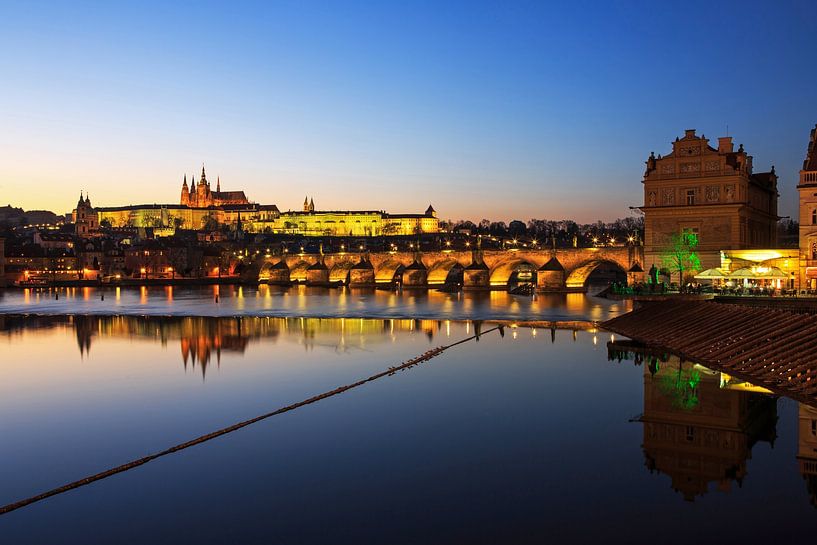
(563, 232)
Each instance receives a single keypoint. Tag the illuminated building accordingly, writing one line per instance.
(86, 221)
(198, 195)
(200, 208)
(807, 190)
(712, 192)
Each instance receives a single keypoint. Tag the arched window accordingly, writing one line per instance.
(814, 250)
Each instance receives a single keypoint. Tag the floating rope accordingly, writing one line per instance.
(224, 431)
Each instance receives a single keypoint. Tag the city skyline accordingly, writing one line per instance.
(390, 108)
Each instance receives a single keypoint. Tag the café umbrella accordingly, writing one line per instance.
(712, 274)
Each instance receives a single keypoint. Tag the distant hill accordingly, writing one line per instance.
(18, 216)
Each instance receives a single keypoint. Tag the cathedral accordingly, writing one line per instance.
(199, 195)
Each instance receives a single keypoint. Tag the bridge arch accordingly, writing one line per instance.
(297, 272)
(388, 271)
(578, 275)
(340, 272)
(448, 270)
(503, 273)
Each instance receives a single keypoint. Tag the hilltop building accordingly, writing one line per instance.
(86, 221)
(712, 192)
(198, 195)
(200, 208)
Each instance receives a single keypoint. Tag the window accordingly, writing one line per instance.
(690, 196)
(814, 217)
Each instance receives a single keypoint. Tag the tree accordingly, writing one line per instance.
(679, 255)
(517, 228)
(178, 222)
(210, 223)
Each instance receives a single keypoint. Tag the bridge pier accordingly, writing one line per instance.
(415, 275)
(317, 274)
(551, 276)
(476, 276)
(361, 275)
(278, 274)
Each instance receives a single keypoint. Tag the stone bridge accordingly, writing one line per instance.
(551, 270)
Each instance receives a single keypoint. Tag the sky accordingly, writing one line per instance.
(499, 110)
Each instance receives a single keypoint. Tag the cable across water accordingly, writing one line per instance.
(229, 429)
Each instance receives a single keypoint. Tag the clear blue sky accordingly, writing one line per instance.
(501, 109)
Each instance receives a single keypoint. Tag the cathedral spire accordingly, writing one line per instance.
(203, 179)
(218, 184)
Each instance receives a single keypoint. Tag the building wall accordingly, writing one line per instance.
(711, 192)
(260, 219)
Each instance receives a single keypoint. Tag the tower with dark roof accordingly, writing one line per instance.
(807, 189)
(185, 199)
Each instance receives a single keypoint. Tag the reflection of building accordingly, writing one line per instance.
(698, 433)
(713, 192)
(202, 338)
(807, 448)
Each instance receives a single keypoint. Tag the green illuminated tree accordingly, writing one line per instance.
(679, 255)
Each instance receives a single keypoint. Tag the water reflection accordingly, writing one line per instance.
(519, 417)
(202, 340)
(264, 300)
(807, 448)
(698, 433)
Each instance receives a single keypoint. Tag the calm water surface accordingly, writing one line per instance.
(306, 301)
(531, 437)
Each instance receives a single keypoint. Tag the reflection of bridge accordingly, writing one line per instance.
(556, 270)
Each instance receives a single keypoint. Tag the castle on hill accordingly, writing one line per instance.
(199, 195)
(201, 208)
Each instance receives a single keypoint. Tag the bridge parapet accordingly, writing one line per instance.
(494, 268)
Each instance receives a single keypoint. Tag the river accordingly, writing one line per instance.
(528, 435)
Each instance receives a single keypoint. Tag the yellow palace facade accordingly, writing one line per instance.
(255, 218)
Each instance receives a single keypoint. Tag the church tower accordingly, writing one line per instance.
(807, 188)
(86, 222)
(203, 198)
(185, 200)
